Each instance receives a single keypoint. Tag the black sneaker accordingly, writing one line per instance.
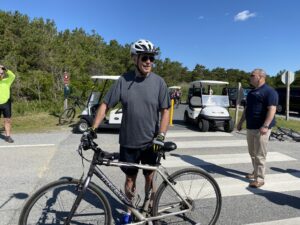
(9, 139)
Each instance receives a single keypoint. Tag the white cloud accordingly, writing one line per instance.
(244, 15)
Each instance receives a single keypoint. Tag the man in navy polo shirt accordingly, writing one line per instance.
(260, 118)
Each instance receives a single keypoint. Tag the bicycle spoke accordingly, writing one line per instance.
(198, 190)
(53, 205)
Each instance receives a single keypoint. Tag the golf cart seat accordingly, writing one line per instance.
(94, 109)
(195, 102)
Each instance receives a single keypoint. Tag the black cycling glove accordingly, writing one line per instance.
(91, 133)
(158, 142)
(88, 137)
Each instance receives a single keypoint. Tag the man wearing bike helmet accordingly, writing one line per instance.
(143, 95)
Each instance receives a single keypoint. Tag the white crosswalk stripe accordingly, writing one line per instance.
(236, 187)
(174, 134)
(291, 221)
(219, 159)
(211, 143)
(277, 182)
(273, 183)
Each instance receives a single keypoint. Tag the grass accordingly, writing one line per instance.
(45, 121)
(280, 121)
(34, 123)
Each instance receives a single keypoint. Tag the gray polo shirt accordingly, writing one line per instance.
(142, 98)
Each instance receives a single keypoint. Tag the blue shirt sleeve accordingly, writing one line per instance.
(272, 98)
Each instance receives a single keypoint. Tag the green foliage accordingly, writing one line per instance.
(39, 55)
(32, 107)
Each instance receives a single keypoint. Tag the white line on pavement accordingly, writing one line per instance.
(27, 146)
(290, 221)
(229, 186)
(282, 182)
(172, 134)
(219, 159)
(210, 144)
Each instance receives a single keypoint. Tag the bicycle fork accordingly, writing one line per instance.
(81, 189)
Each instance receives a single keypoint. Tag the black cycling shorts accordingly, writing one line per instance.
(133, 155)
(5, 109)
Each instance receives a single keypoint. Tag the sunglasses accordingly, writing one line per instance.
(145, 58)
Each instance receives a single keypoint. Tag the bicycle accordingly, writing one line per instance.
(283, 134)
(188, 196)
(67, 116)
(290, 133)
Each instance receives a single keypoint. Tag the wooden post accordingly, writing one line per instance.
(65, 103)
(238, 101)
(287, 112)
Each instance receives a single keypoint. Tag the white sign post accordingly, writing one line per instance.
(287, 78)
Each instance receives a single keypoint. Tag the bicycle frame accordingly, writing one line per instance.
(94, 169)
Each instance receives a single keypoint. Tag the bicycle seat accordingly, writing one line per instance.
(169, 146)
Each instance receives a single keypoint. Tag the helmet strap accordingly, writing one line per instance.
(137, 64)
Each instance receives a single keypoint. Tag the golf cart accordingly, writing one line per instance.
(113, 118)
(175, 93)
(208, 105)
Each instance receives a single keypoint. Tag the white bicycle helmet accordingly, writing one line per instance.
(143, 47)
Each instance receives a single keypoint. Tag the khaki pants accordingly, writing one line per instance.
(257, 147)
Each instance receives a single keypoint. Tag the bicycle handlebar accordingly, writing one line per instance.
(87, 143)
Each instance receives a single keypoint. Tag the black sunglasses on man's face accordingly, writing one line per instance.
(145, 58)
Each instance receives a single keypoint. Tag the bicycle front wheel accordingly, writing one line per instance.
(67, 116)
(52, 204)
(198, 188)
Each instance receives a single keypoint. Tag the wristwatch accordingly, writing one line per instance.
(265, 126)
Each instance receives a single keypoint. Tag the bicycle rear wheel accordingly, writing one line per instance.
(67, 116)
(52, 203)
(198, 188)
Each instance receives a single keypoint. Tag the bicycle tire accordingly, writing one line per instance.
(52, 203)
(286, 131)
(199, 189)
(67, 116)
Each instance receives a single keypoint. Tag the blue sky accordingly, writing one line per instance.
(239, 34)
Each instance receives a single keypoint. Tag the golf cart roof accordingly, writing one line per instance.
(175, 87)
(105, 77)
(209, 82)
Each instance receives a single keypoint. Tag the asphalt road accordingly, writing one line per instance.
(35, 159)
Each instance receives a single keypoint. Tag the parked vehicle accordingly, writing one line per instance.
(175, 93)
(294, 99)
(113, 118)
(193, 91)
(208, 105)
(233, 94)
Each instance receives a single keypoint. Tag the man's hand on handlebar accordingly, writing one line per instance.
(87, 138)
(91, 133)
(158, 142)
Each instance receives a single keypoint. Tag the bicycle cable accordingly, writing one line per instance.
(79, 150)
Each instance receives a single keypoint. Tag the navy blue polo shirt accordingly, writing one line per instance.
(258, 101)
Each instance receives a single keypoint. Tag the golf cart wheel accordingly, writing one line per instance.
(83, 125)
(280, 109)
(229, 126)
(203, 125)
(186, 117)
